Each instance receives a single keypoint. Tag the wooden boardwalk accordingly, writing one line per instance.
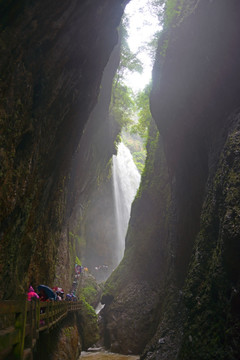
(22, 321)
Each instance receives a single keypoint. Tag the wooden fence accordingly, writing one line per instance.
(21, 321)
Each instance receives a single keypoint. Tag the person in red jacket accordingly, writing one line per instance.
(32, 294)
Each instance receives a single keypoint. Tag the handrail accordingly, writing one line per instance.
(22, 320)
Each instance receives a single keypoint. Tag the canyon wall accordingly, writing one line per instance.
(52, 60)
(177, 288)
(87, 232)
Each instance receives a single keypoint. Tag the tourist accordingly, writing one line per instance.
(59, 295)
(32, 294)
(43, 295)
(68, 297)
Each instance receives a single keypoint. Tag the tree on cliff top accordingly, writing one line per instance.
(144, 114)
(122, 105)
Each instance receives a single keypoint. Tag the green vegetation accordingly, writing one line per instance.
(89, 294)
(139, 160)
(143, 112)
(137, 147)
(122, 105)
(132, 111)
(78, 244)
(68, 331)
(172, 12)
(135, 135)
(172, 9)
(177, 10)
(89, 325)
(90, 290)
(116, 281)
(152, 148)
(125, 105)
(78, 261)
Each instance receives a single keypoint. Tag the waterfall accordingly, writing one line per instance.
(126, 180)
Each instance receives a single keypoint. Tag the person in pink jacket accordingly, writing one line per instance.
(32, 294)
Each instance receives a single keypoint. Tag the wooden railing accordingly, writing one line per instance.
(21, 321)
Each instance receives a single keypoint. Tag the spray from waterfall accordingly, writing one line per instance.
(126, 180)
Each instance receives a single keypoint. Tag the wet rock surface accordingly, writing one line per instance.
(130, 319)
(63, 342)
(196, 272)
(52, 61)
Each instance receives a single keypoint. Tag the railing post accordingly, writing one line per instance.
(20, 324)
(35, 313)
(50, 313)
(31, 323)
(54, 309)
(37, 318)
(48, 320)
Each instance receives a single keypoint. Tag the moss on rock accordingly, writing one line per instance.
(212, 286)
(88, 324)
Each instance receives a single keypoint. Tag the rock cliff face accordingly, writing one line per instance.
(89, 202)
(64, 342)
(52, 59)
(186, 246)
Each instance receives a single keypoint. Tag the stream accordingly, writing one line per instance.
(105, 355)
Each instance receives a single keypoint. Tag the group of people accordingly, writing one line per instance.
(57, 295)
(79, 269)
(101, 268)
(42, 295)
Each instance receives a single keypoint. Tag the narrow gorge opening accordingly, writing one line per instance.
(129, 112)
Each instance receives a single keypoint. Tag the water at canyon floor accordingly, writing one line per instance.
(104, 355)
